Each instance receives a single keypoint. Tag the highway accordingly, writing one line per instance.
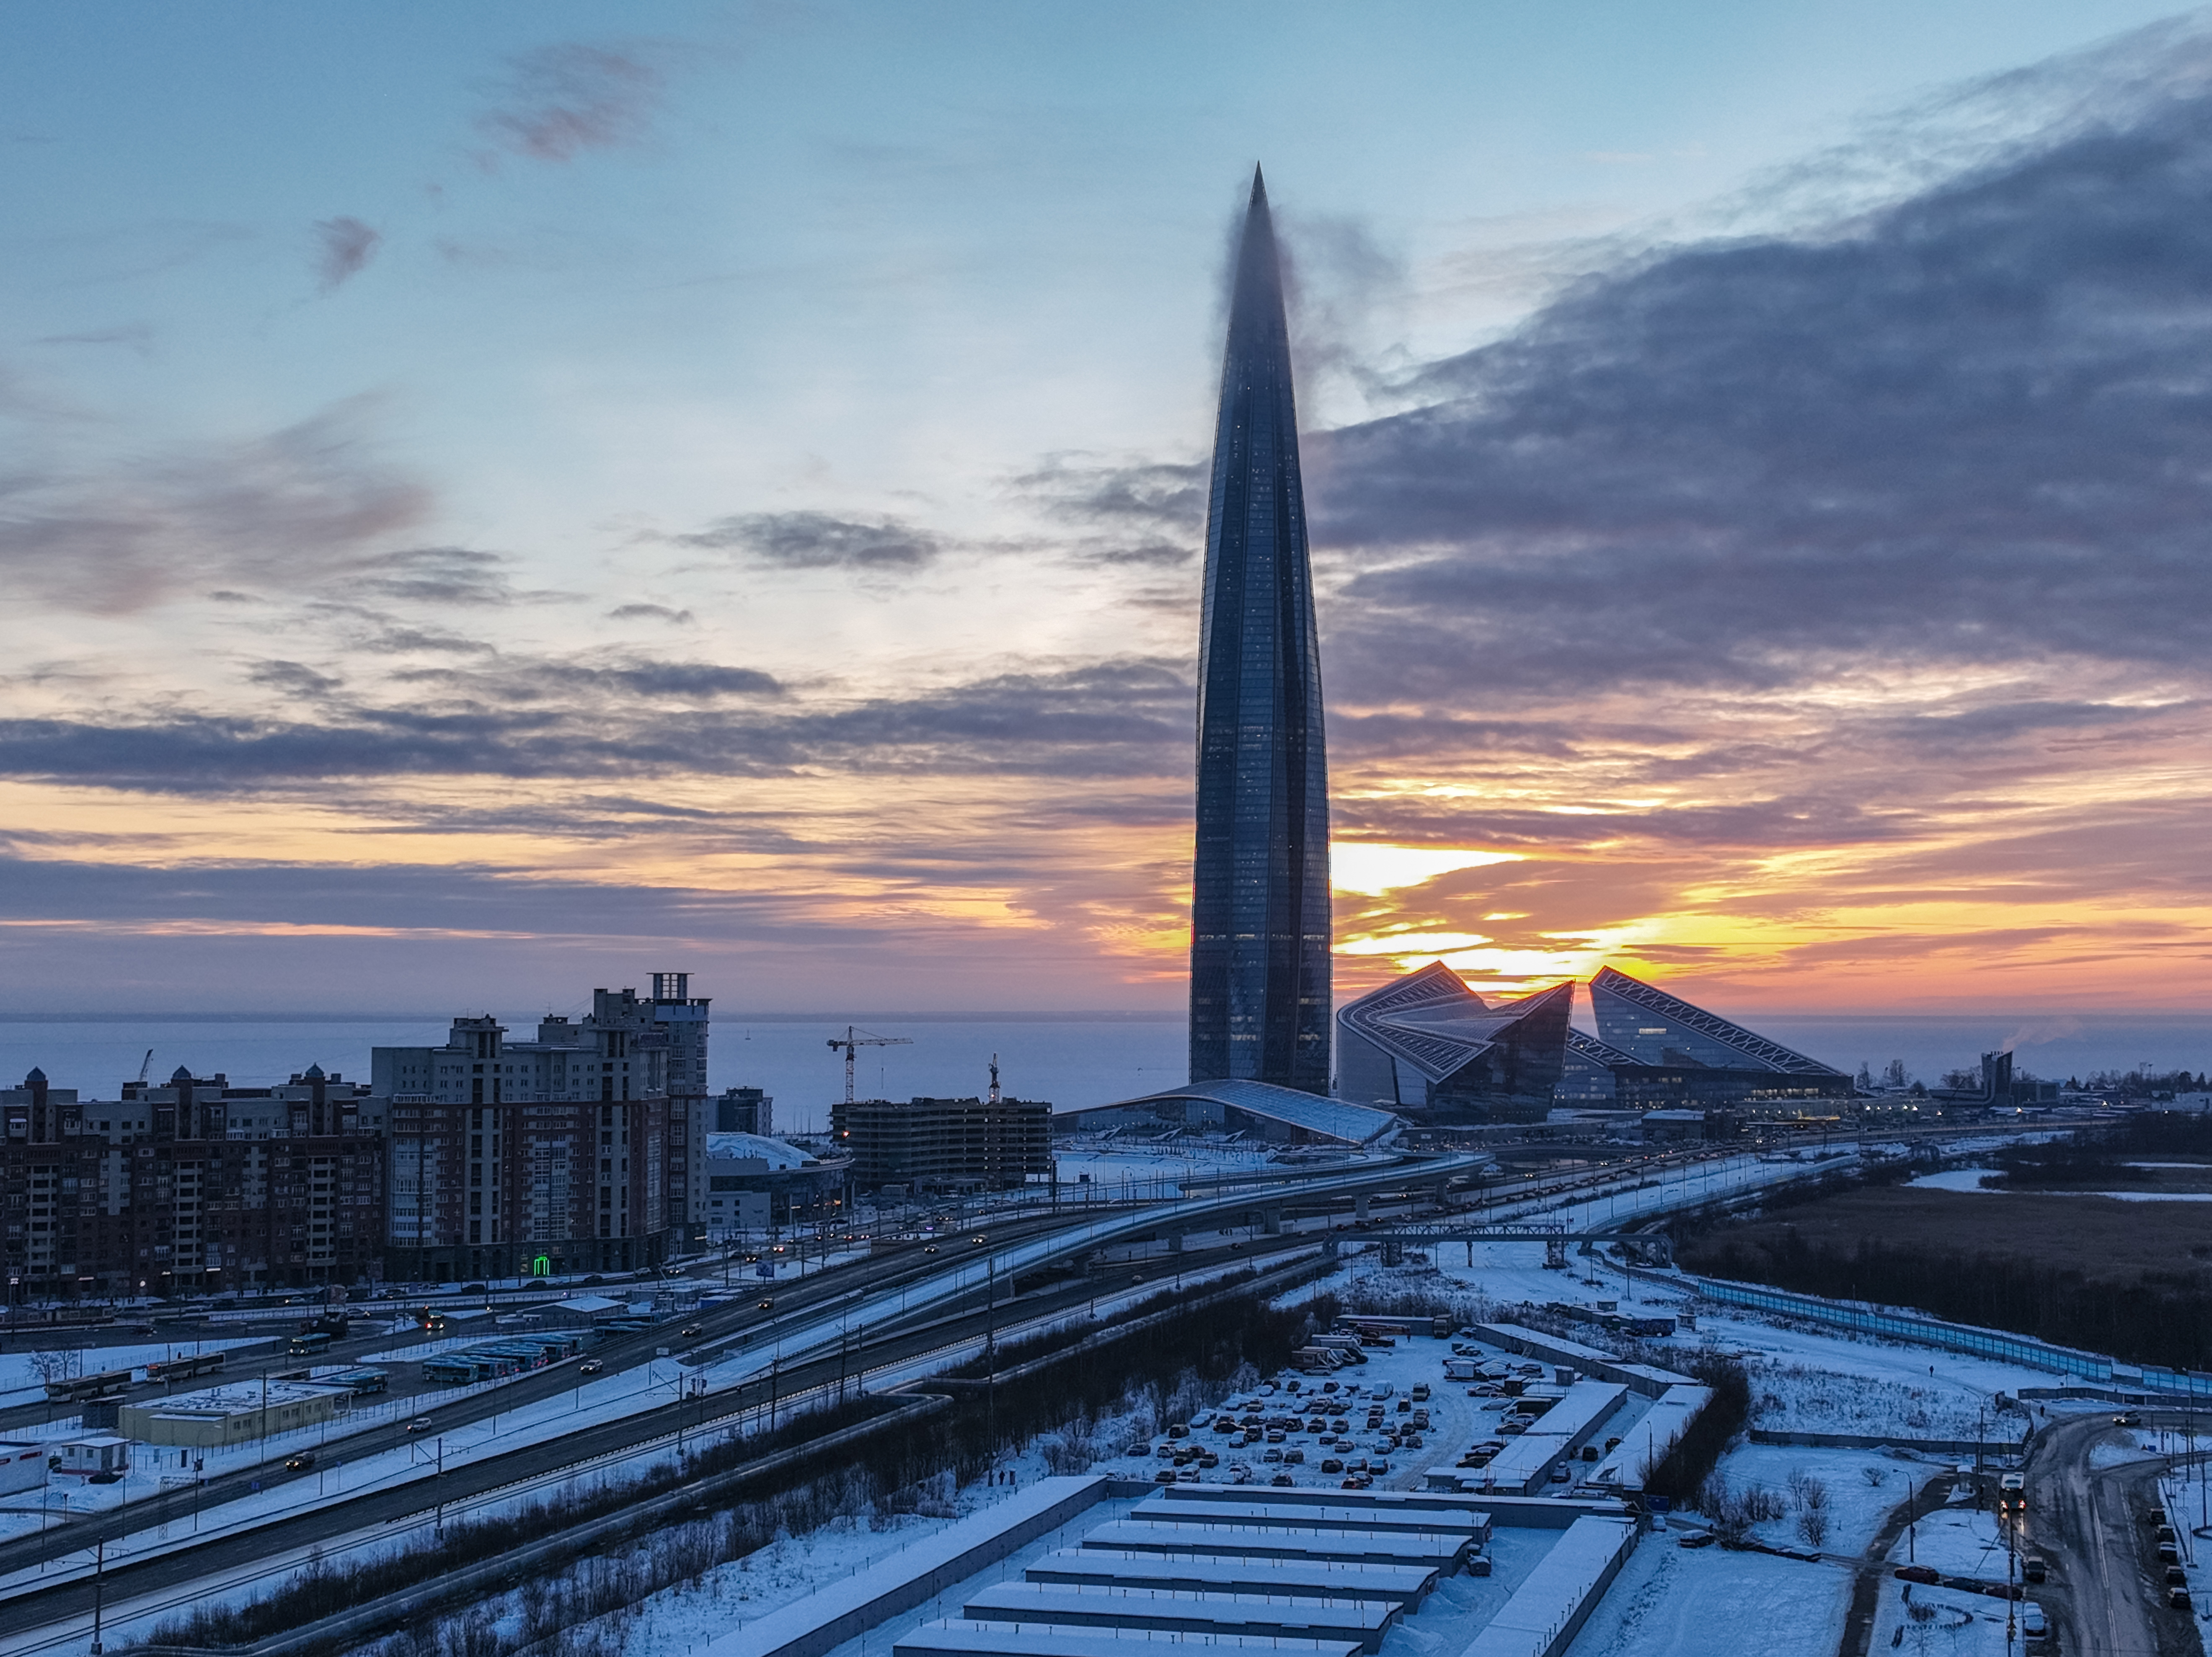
(549, 1462)
(887, 1311)
(614, 1352)
(2106, 1592)
(868, 1307)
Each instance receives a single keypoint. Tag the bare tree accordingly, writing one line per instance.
(1812, 1525)
(49, 1367)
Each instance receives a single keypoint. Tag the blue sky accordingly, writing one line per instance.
(809, 391)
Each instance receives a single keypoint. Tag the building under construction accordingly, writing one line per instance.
(944, 1145)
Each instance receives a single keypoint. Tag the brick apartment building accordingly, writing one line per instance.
(566, 1152)
(192, 1186)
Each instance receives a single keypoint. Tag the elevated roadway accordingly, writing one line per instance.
(864, 1312)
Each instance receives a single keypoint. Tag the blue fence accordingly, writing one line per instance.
(2187, 1382)
(1924, 1332)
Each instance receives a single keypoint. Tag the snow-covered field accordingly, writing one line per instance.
(1671, 1602)
(1952, 1178)
(1954, 1624)
(1970, 1178)
(1858, 1488)
(1958, 1540)
(19, 1376)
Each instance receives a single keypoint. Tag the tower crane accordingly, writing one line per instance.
(852, 1039)
(145, 1065)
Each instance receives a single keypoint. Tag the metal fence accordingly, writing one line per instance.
(2187, 1382)
(1921, 1331)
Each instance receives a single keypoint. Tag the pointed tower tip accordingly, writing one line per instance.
(1259, 184)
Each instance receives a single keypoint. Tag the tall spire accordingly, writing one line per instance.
(1260, 909)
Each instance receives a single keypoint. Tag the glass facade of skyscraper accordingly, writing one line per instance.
(1260, 913)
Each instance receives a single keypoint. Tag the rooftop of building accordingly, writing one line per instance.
(242, 1398)
(1309, 1113)
(756, 1147)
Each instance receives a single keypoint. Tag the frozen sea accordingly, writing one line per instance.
(1071, 1059)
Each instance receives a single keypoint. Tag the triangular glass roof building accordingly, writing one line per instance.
(1430, 1047)
(1659, 1029)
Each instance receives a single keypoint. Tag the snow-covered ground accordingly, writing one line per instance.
(1954, 1623)
(19, 1376)
(1858, 1488)
(1672, 1602)
(1952, 1178)
(2109, 1454)
(1970, 1178)
(1959, 1540)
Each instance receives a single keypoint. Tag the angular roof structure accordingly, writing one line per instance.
(1304, 1115)
(1583, 1045)
(1652, 1026)
(1428, 1043)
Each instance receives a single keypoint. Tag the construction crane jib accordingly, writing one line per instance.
(852, 1039)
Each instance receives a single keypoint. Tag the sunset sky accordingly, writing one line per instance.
(503, 498)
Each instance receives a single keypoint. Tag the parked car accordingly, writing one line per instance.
(2177, 1598)
(2032, 1622)
(1282, 1479)
(1927, 1574)
(2035, 1568)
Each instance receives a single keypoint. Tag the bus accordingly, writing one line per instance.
(110, 1381)
(362, 1382)
(185, 1368)
(310, 1344)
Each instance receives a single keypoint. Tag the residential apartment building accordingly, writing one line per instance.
(577, 1149)
(944, 1145)
(565, 1152)
(189, 1186)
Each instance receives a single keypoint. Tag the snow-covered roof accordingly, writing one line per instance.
(1327, 1119)
(756, 1147)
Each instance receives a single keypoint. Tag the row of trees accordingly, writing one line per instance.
(2162, 1318)
(2141, 1082)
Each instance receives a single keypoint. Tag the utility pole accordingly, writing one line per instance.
(98, 1589)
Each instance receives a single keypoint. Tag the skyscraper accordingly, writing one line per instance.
(1259, 899)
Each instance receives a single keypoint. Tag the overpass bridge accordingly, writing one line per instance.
(1645, 1248)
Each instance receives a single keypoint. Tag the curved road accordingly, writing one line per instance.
(2106, 1592)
